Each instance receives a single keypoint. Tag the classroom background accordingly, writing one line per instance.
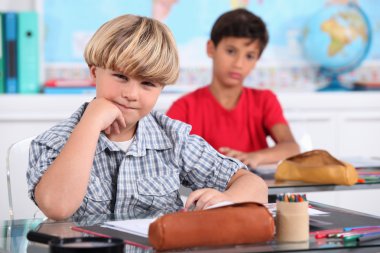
(344, 123)
(303, 37)
(285, 65)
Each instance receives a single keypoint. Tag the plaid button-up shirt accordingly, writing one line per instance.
(145, 180)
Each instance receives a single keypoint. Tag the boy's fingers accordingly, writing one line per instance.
(224, 149)
(120, 119)
(203, 202)
(211, 202)
(233, 153)
(242, 157)
(116, 128)
(193, 197)
(201, 199)
(190, 201)
(245, 161)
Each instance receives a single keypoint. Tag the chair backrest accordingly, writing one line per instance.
(20, 206)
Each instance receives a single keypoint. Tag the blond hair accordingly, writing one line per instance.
(137, 46)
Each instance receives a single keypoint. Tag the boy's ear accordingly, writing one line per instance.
(210, 48)
(93, 73)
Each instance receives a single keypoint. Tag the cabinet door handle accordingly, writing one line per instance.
(372, 119)
(310, 120)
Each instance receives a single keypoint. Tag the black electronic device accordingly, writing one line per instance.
(78, 244)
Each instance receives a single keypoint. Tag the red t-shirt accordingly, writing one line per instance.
(243, 128)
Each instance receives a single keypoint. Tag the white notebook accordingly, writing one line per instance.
(140, 227)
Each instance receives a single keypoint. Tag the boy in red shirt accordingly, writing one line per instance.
(235, 119)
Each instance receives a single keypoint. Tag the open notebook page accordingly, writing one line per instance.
(140, 227)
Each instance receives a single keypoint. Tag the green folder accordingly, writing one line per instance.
(28, 62)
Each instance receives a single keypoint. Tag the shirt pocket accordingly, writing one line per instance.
(158, 194)
(98, 199)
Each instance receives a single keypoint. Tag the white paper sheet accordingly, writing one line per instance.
(312, 212)
(138, 227)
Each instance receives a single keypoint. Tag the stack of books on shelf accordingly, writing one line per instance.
(19, 53)
(69, 87)
(367, 86)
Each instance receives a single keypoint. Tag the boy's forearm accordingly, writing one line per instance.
(62, 188)
(279, 152)
(246, 186)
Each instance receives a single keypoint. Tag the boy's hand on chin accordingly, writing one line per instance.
(105, 114)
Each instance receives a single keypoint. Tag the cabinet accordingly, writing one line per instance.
(359, 132)
(316, 128)
(345, 124)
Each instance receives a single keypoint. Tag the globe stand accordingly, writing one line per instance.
(334, 85)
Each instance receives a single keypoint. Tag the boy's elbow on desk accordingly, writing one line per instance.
(56, 210)
(262, 189)
(57, 215)
(258, 189)
(248, 187)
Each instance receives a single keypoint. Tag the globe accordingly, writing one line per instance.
(337, 38)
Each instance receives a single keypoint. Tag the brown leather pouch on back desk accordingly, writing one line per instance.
(228, 225)
(316, 166)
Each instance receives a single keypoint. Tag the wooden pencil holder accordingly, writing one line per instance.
(292, 221)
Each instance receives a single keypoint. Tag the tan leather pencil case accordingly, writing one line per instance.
(316, 166)
(228, 225)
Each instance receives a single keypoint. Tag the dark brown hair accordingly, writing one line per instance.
(240, 23)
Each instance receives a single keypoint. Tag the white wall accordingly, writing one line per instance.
(17, 5)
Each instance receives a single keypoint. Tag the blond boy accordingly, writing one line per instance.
(116, 155)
